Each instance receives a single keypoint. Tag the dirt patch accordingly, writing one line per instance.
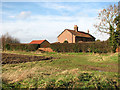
(17, 58)
(111, 64)
(101, 69)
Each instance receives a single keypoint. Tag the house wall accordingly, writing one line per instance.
(45, 44)
(66, 35)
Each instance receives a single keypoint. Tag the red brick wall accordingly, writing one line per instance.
(66, 35)
(45, 44)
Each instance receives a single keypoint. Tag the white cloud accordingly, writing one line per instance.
(24, 14)
(21, 15)
(58, 6)
(12, 16)
(48, 27)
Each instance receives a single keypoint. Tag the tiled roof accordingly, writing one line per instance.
(80, 34)
(36, 41)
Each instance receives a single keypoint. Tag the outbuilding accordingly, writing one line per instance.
(41, 43)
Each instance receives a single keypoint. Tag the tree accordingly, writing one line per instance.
(117, 21)
(107, 23)
(98, 40)
(6, 39)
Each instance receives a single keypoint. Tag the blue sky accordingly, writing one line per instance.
(46, 20)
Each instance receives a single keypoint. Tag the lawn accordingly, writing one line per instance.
(66, 70)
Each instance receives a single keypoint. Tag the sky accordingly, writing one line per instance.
(29, 21)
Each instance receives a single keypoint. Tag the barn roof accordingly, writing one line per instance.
(79, 33)
(36, 41)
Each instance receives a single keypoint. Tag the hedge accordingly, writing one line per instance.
(96, 47)
(22, 47)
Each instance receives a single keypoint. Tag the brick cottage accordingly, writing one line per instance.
(75, 36)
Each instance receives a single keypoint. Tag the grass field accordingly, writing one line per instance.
(66, 70)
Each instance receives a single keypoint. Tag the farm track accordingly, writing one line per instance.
(17, 58)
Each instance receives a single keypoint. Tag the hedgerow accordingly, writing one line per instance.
(22, 47)
(96, 47)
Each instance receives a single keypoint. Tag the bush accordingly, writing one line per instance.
(96, 47)
(7, 46)
(22, 47)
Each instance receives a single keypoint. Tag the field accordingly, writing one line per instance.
(59, 70)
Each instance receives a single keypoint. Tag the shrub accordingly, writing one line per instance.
(7, 46)
(22, 47)
(96, 47)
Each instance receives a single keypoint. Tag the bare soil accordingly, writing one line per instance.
(17, 58)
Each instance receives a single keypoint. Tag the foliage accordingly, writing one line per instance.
(106, 17)
(98, 40)
(108, 25)
(117, 33)
(96, 47)
(83, 80)
(22, 47)
(6, 39)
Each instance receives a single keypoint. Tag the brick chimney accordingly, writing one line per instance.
(76, 28)
(88, 31)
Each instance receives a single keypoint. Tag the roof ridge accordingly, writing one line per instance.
(37, 40)
(75, 31)
(89, 35)
(83, 34)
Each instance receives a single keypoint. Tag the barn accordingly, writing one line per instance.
(41, 43)
(44, 45)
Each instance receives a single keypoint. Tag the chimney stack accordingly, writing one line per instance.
(76, 28)
(88, 31)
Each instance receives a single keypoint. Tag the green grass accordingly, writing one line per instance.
(68, 70)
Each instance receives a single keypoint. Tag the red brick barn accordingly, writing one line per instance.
(41, 43)
(44, 45)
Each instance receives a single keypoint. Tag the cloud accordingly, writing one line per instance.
(24, 14)
(21, 15)
(56, 6)
(52, 20)
(48, 27)
(12, 16)
(61, 7)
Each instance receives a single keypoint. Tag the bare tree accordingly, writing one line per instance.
(6, 39)
(107, 24)
(106, 17)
